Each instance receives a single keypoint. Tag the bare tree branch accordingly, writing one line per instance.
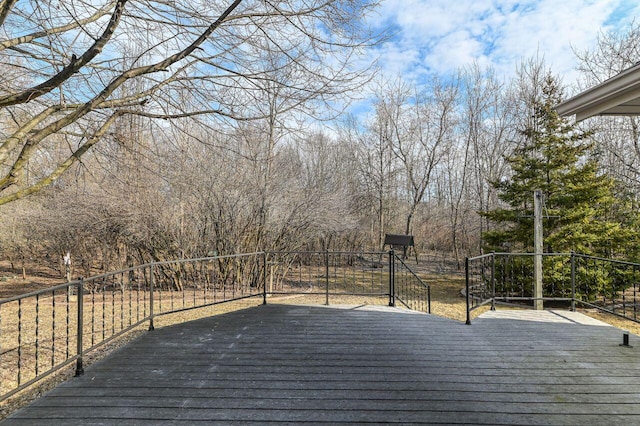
(76, 64)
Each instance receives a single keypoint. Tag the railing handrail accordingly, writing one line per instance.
(203, 259)
(523, 254)
(122, 271)
(621, 262)
(39, 292)
(326, 251)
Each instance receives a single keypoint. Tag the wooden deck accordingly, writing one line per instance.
(328, 365)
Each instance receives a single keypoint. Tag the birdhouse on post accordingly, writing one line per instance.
(396, 242)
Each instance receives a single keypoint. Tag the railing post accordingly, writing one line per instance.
(538, 293)
(392, 278)
(493, 281)
(466, 278)
(326, 276)
(573, 281)
(264, 279)
(151, 288)
(80, 328)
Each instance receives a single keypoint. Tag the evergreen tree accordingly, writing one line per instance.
(580, 212)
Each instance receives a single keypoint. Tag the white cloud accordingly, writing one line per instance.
(438, 36)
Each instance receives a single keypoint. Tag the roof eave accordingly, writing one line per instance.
(606, 96)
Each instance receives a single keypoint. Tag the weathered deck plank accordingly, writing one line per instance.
(298, 364)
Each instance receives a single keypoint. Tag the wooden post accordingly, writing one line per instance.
(538, 249)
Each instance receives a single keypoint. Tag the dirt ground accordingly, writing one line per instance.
(36, 277)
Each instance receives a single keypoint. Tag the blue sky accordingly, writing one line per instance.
(440, 36)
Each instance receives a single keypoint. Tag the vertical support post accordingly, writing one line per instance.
(573, 282)
(493, 281)
(152, 282)
(392, 279)
(264, 278)
(538, 249)
(80, 328)
(625, 339)
(466, 279)
(326, 276)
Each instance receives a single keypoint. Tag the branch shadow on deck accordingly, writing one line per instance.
(314, 364)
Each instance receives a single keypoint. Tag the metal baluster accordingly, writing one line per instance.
(207, 278)
(53, 328)
(113, 306)
(194, 285)
(265, 262)
(235, 277)
(131, 302)
(138, 299)
(37, 331)
(80, 329)
(326, 280)
(182, 289)
(19, 341)
(122, 305)
(1, 335)
(171, 291)
(155, 287)
(104, 309)
(224, 286)
(604, 290)
(214, 278)
(354, 273)
(340, 267)
(152, 285)
(68, 323)
(245, 276)
(93, 317)
(635, 300)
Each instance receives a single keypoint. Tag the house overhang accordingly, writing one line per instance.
(619, 95)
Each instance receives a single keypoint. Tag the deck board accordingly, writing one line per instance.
(329, 365)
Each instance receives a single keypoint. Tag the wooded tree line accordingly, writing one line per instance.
(188, 130)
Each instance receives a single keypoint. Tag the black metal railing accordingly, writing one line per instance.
(568, 279)
(327, 274)
(44, 331)
(409, 289)
(378, 276)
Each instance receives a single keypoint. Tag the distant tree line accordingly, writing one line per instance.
(172, 171)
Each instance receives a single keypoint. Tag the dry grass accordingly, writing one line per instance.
(613, 320)
(446, 297)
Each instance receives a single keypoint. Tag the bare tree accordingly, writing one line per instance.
(377, 174)
(419, 128)
(488, 131)
(73, 69)
(618, 138)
